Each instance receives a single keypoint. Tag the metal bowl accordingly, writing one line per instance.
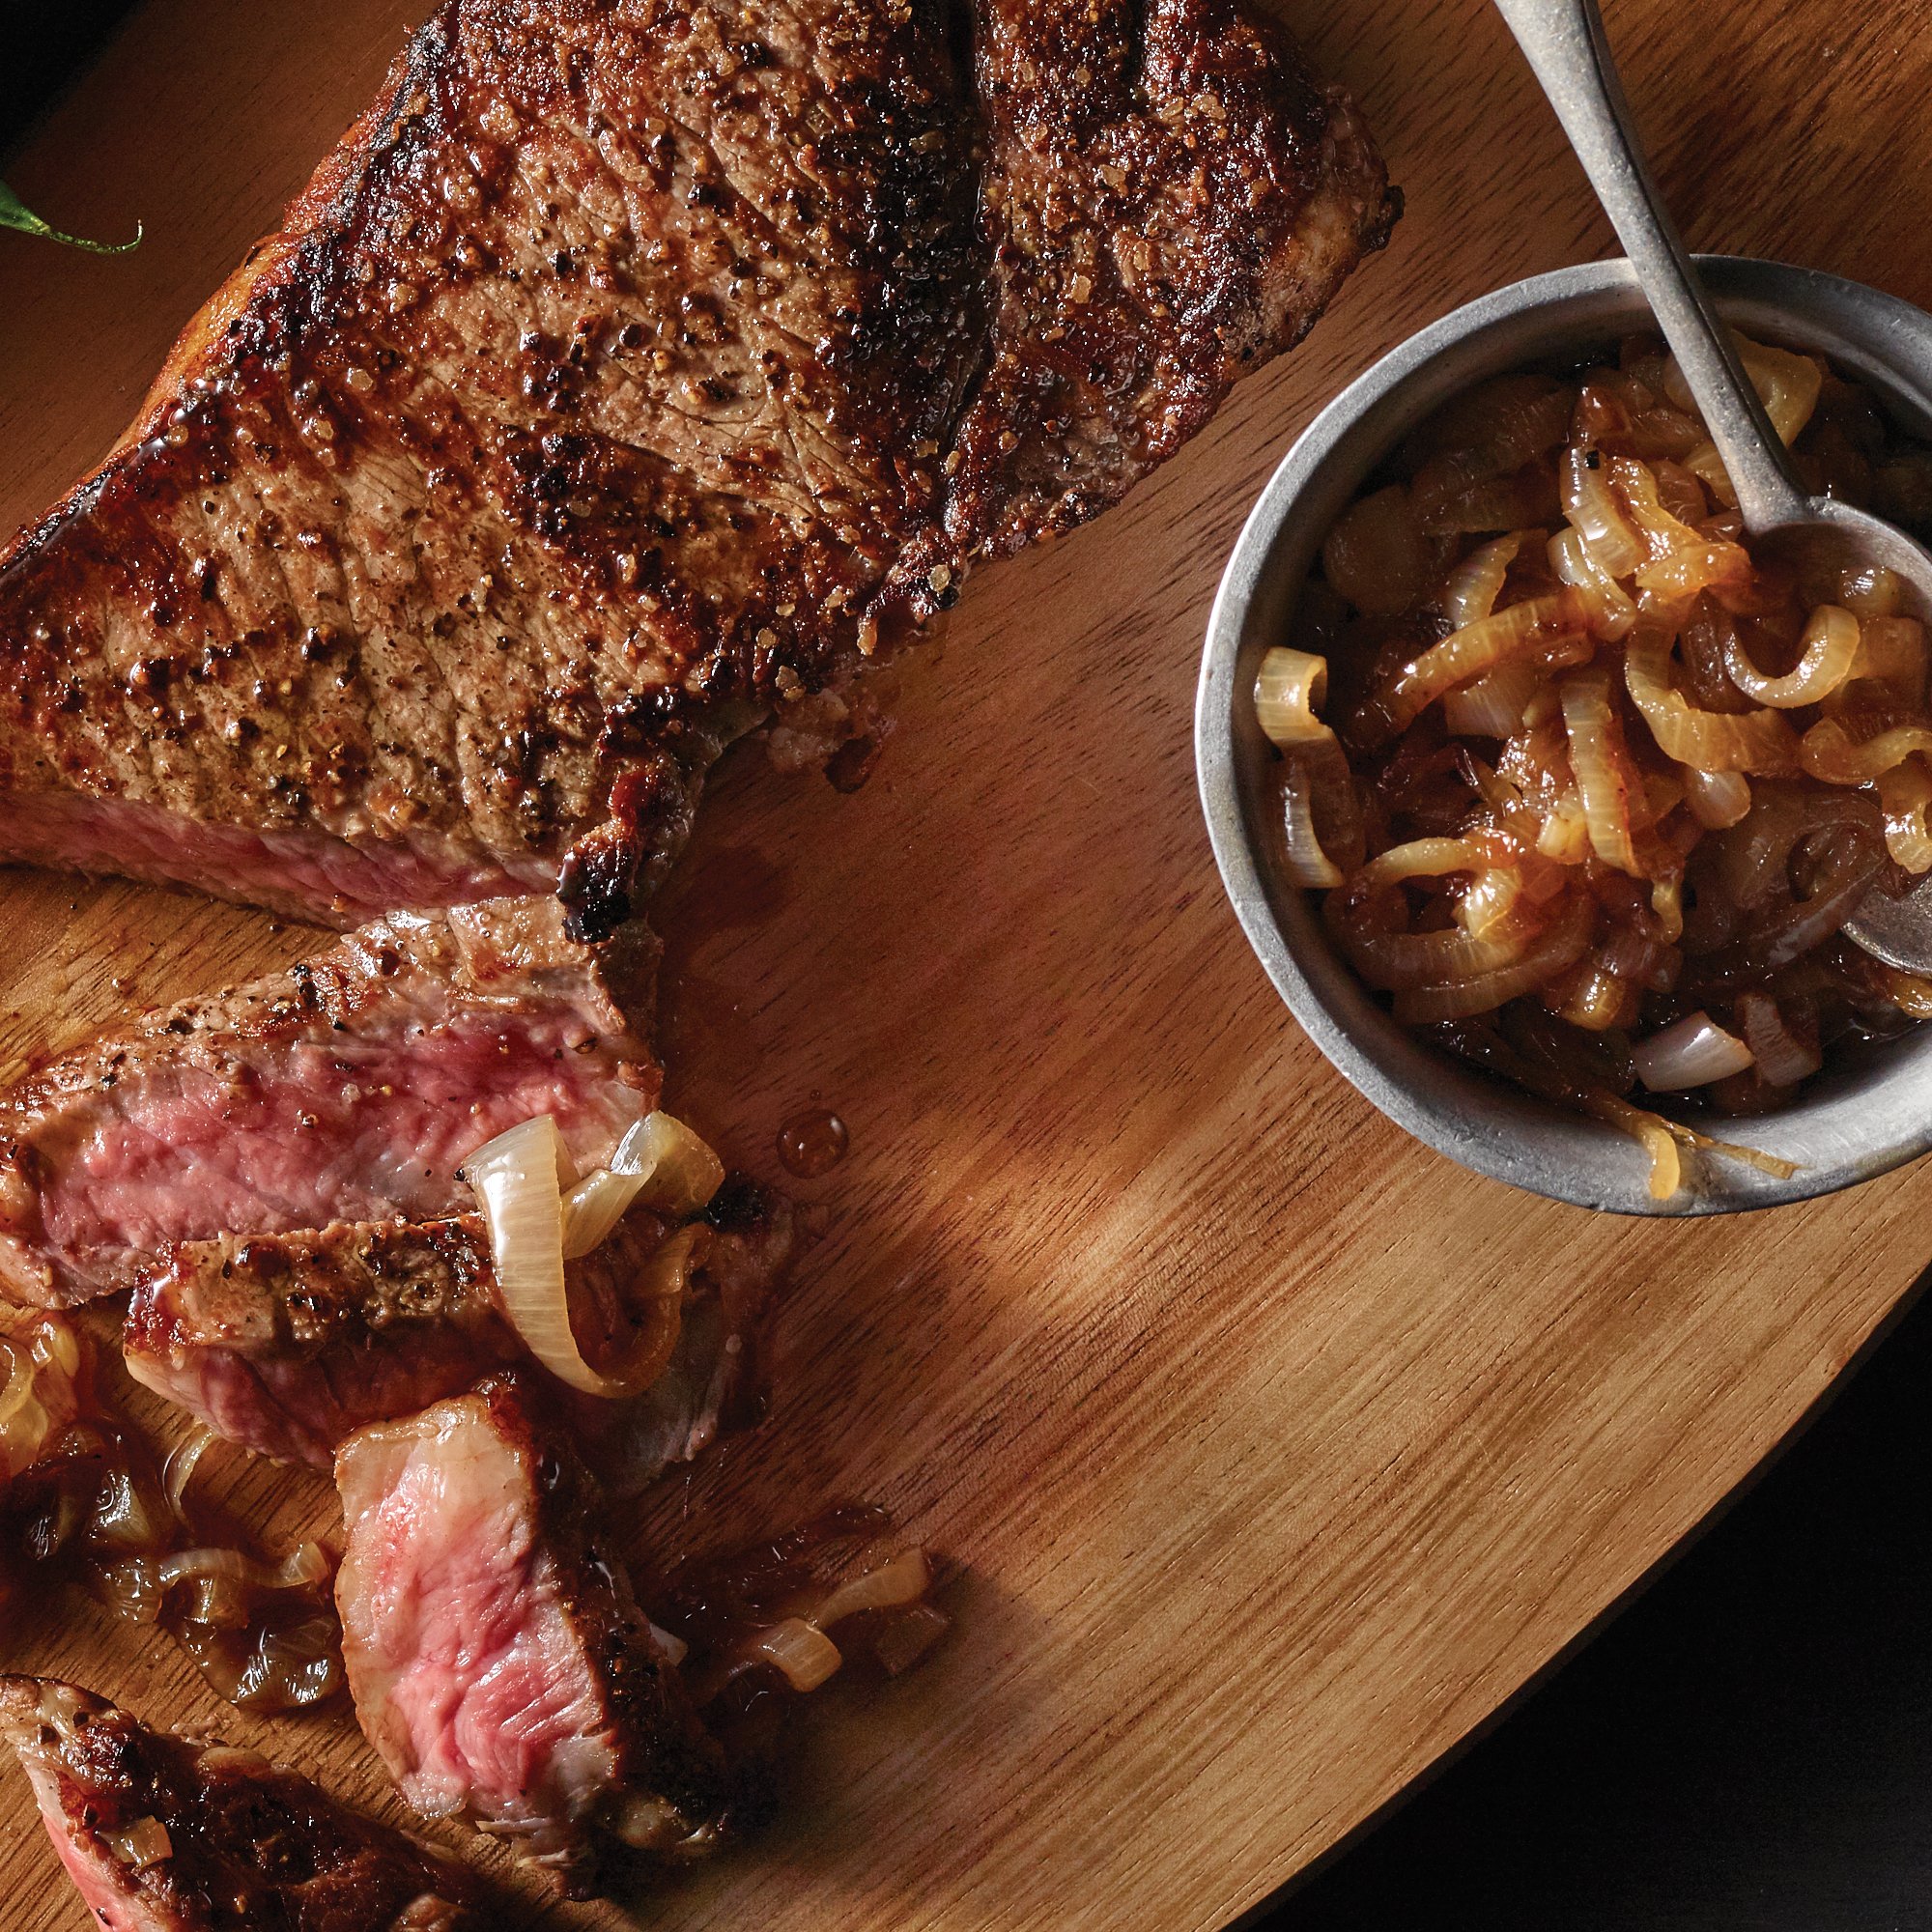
(1871, 1108)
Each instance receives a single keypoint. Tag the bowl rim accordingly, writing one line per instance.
(1472, 1118)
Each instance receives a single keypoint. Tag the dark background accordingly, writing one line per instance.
(41, 42)
(1747, 1748)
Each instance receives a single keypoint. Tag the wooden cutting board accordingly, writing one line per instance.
(1270, 1452)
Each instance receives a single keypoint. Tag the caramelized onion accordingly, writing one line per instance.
(680, 1171)
(1476, 648)
(1603, 777)
(1717, 800)
(1781, 1056)
(1608, 603)
(515, 1177)
(1905, 792)
(1692, 1053)
(1830, 645)
(143, 1843)
(1289, 690)
(1841, 883)
(900, 1580)
(661, 1161)
(801, 1650)
(1788, 385)
(1492, 705)
(307, 1565)
(1563, 943)
(1376, 556)
(1827, 751)
(1595, 512)
(1712, 741)
(1306, 864)
(178, 1471)
(1892, 652)
(1871, 590)
(1477, 582)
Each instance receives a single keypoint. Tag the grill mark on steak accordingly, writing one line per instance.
(499, 1666)
(625, 376)
(286, 1344)
(248, 1843)
(352, 1087)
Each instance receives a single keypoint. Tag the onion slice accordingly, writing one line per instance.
(1891, 651)
(661, 1159)
(1831, 643)
(1302, 855)
(1718, 800)
(516, 1181)
(801, 1650)
(1603, 768)
(1493, 704)
(303, 1567)
(143, 1843)
(1782, 1057)
(1536, 624)
(1905, 792)
(904, 1579)
(1713, 741)
(1828, 752)
(1597, 516)
(1477, 582)
(1692, 1053)
(1288, 692)
(1574, 563)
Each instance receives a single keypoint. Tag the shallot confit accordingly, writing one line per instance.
(88, 1504)
(161, 1835)
(500, 1664)
(1600, 791)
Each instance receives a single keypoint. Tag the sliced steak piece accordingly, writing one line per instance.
(286, 1344)
(499, 1663)
(629, 372)
(163, 1835)
(351, 1088)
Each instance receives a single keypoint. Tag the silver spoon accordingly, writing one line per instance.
(1566, 46)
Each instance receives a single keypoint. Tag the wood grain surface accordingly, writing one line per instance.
(1270, 1452)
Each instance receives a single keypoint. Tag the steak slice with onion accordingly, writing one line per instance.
(351, 1088)
(626, 375)
(499, 1662)
(162, 1836)
(286, 1344)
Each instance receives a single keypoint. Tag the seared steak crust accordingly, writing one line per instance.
(288, 1343)
(499, 1662)
(626, 374)
(247, 1844)
(351, 1087)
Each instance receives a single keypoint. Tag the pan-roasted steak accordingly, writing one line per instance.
(286, 1344)
(351, 1088)
(626, 374)
(499, 1663)
(162, 1836)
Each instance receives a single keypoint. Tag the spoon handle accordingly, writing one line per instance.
(1565, 44)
